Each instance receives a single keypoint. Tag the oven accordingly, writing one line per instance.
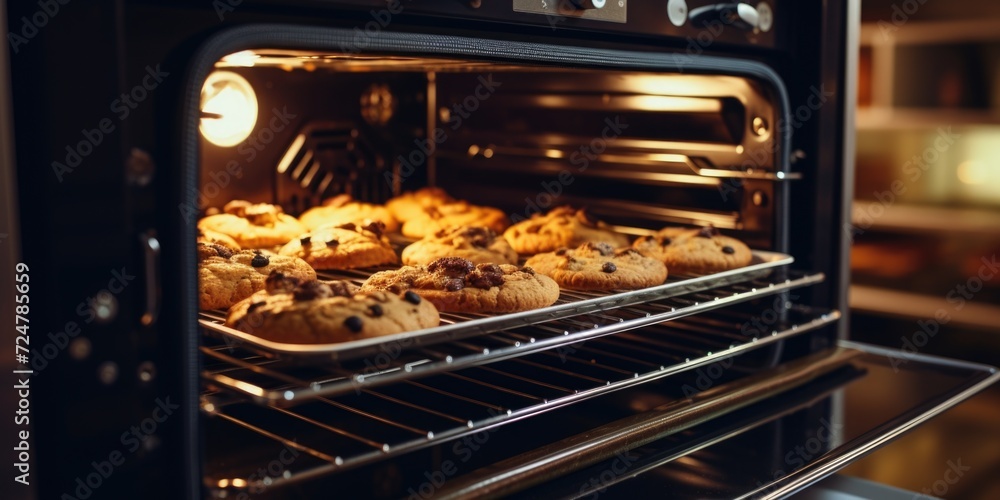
(733, 384)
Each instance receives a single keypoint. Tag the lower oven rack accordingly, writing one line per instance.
(370, 424)
(394, 363)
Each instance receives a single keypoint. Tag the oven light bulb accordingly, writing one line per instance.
(228, 107)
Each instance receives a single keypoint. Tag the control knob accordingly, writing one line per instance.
(589, 4)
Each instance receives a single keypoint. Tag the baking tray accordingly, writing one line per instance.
(468, 325)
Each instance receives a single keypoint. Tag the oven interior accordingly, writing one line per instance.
(641, 150)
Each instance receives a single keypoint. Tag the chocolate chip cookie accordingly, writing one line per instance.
(226, 277)
(459, 213)
(562, 227)
(297, 311)
(478, 244)
(457, 285)
(347, 246)
(343, 209)
(413, 204)
(694, 251)
(598, 266)
(259, 225)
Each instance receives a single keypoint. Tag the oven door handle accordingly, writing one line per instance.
(151, 264)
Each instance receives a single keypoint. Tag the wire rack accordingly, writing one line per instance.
(456, 327)
(356, 425)
(267, 379)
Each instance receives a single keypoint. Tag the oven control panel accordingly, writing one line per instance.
(694, 24)
(615, 11)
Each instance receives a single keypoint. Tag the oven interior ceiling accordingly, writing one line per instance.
(642, 149)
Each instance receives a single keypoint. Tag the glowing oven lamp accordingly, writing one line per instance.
(229, 109)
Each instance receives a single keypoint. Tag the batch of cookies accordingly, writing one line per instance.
(260, 263)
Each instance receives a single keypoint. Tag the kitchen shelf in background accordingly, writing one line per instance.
(884, 118)
(926, 219)
(919, 306)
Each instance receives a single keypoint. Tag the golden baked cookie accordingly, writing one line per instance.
(413, 204)
(348, 246)
(226, 277)
(478, 244)
(343, 209)
(695, 251)
(457, 285)
(208, 236)
(598, 266)
(459, 213)
(562, 227)
(258, 225)
(320, 312)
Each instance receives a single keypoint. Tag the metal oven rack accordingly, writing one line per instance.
(456, 327)
(348, 414)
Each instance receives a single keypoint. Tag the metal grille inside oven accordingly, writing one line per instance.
(356, 412)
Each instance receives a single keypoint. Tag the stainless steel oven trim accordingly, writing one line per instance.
(850, 96)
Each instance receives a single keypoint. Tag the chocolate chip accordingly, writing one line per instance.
(277, 282)
(223, 252)
(486, 276)
(561, 251)
(728, 249)
(333, 243)
(479, 236)
(411, 297)
(527, 270)
(375, 310)
(708, 232)
(455, 267)
(305, 240)
(260, 261)
(490, 268)
(350, 226)
(609, 267)
(665, 241)
(256, 305)
(354, 324)
(377, 227)
(454, 285)
(312, 290)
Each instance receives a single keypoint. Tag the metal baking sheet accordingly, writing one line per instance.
(763, 263)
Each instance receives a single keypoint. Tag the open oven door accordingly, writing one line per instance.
(770, 436)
